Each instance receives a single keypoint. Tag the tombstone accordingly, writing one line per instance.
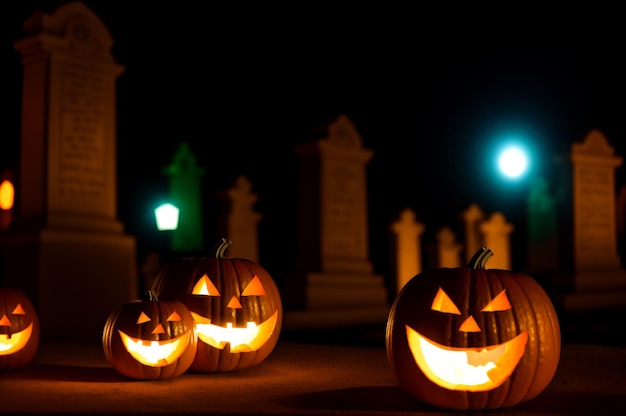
(185, 192)
(408, 249)
(472, 216)
(599, 281)
(67, 251)
(448, 250)
(620, 221)
(496, 233)
(333, 283)
(542, 226)
(239, 221)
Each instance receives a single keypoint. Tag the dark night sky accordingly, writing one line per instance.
(431, 91)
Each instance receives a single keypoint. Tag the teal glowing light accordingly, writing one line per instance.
(513, 162)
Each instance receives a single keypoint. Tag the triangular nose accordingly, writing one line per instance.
(469, 325)
(234, 303)
(159, 329)
(5, 321)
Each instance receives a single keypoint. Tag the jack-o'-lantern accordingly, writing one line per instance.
(235, 303)
(19, 329)
(473, 338)
(150, 339)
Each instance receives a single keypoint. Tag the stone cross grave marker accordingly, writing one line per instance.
(496, 231)
(448, 249)
(408, 249)
(240, 222)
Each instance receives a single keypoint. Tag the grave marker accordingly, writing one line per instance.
(67, 251)
(407, 231)
(334, 283)
(240, 221)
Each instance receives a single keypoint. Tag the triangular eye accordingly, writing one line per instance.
(254, 288)
(443, 303)
(205, 287)
(174, 317)
(18, 310)
(499, 303)
(143, 318)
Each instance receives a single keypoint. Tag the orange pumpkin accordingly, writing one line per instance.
(150, 339)
(473, 338)
(19, 329)
(235, 303)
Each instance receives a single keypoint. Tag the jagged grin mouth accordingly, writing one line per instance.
(466, 369)
(11, 343)
(243, 339)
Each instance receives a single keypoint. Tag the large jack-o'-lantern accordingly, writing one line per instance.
(19, 329)
(150, 339)
(473, 338)
(235, 303)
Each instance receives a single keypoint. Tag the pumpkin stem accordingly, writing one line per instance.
(220, 247)
(150, 296)
(479, 259)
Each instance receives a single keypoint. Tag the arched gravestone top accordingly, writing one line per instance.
(343, 133)
(85, 34)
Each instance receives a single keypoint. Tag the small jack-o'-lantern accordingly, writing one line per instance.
(150, 339)
(473, 338)
(235, 303)
(19, 329)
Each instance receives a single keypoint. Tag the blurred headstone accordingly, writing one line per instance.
(543, 234)
(599, 281)
(472, 217)
(496, 233)
(67, 251)
(239, 222)
(185, 192)
(334, 283)
(448, 250)
(408, 249)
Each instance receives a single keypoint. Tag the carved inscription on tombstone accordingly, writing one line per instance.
(342, 230)
(82, 172)
(594, 205)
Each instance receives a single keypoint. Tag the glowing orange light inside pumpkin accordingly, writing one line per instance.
(241, 339)
(11, 343)
(7, 195)
(467, 369)
(156, 353)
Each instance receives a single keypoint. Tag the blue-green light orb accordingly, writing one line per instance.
(513, 162)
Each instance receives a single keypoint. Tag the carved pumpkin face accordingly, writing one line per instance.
(236, 306)
(150, 339)
(470, 338)
(19, 329)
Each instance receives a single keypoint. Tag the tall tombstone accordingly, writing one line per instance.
(496, 231)
(239, 222)
(472, 216)
(333, 283)
(407, 231)
(448, 250)
(185, 191)
(597, 265)
(67, 250)
(542, 226)
(621, 223)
